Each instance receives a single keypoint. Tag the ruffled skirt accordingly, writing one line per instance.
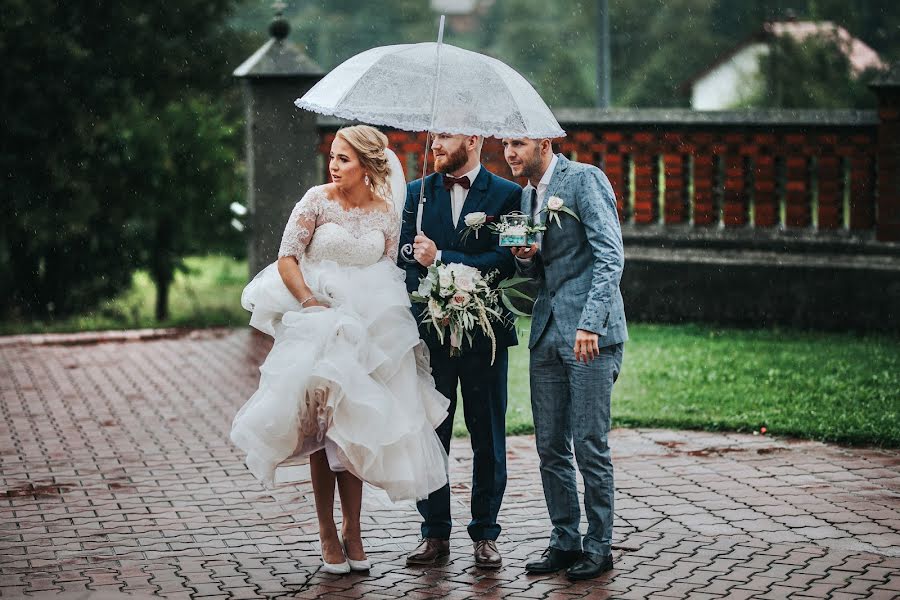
(353, 379)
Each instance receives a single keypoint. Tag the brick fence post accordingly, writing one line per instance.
(282, 140)
(887, 88)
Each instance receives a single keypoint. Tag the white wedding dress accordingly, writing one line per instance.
(353, 378)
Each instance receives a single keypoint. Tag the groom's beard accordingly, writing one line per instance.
(451, 162)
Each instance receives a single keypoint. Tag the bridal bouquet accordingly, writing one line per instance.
(459, 299)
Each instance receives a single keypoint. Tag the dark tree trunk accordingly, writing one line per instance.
(26, 284)
(163, 267)
(162, 297)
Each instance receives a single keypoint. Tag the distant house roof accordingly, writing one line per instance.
(860, 54)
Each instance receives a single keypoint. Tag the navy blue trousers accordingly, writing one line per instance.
(483, 388)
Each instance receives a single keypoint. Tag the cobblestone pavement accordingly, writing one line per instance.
(117, 477)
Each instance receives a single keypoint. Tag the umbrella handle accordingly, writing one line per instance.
(406, 252)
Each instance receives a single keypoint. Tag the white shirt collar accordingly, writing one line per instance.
(548, 174)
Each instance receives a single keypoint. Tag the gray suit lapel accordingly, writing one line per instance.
(557, 181)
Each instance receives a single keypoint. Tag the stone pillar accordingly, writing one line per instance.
(887, 88)
(282, 140)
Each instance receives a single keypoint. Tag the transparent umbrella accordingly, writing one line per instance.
(433, 87)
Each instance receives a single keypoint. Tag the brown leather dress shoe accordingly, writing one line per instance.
(486, 555)
(429, 552)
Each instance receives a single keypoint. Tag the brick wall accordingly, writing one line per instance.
(788, 170)
(751, 219)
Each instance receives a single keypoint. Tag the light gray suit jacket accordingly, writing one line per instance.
(579, 266)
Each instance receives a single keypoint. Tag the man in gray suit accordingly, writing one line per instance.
(578, 332)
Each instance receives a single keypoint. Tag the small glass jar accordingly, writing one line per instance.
(515, 229)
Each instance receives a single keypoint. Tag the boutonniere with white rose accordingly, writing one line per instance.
(474, 222)
(556, 205)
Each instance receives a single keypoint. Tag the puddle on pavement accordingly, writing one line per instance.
(42, 490)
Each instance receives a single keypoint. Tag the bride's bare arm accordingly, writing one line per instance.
(292, 276)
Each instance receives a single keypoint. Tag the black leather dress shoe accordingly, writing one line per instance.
(552, 560)
(590, 566)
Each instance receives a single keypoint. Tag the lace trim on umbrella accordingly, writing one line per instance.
(377, 119)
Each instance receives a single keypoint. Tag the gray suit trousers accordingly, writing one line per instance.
(570, 401)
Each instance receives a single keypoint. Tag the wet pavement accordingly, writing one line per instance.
(117, 477)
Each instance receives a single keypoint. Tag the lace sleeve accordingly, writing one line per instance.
(392, 237)
(300, 227)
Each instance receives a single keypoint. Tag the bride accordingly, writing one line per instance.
(347, 381)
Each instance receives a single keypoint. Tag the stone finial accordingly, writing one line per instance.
(279, 28)
(278, 57)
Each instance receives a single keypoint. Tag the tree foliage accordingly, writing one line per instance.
(183, 156)
(656, 45)
(122, 125)
(815, 73)
(82, 81)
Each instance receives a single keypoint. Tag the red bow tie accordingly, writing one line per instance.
(463, 182)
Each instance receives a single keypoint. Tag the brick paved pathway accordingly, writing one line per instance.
(117, 477)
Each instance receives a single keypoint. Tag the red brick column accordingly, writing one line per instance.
(888, 91)
(734, 200)
(830, 183)
(765, 181)
(645, 182)
(676, 209)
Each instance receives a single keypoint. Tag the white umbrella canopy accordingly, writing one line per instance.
(433, 87)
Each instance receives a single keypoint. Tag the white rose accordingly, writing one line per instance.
(425, 286)
(475, 219)
(555, 203)
(435, 309)
(445, 278)
(460, 298)
(465, 283)
(459, 269)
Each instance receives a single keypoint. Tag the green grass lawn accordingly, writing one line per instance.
(832, 387)
(208, 295)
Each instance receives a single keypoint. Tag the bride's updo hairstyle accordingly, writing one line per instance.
(370, 144)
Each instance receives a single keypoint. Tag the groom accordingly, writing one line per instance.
(577, 336)
(461, 186)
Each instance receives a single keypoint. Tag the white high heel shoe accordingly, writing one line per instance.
(335, 568)
(356, 565)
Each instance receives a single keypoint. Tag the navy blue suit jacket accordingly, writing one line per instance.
(489, 194)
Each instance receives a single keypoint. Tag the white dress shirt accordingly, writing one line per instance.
(458, 195)
(542, 186)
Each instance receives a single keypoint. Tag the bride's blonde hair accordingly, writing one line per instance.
(370, 145)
